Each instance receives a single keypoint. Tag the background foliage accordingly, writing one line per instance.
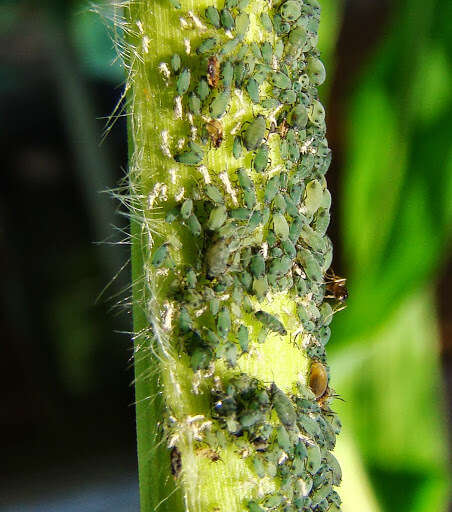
(65, 372)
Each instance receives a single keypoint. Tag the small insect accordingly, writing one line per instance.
(213, 71)
(283, 128)
(318, 379)
(209, 454)
(176, 461)
(215, 130)
(335, 285)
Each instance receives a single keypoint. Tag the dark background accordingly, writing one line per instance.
(67, 416)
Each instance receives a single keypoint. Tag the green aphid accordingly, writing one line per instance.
(229, 46)
(194, 104)
(214, 306)
(314, 459)
(326, 313)
(185, 321)
(283, 407)
(271, 238)
(300, 450)
(249, 196)
(244, 180)
(230, 354)
(255, 220)
(175, 62)
(223, 322)
(239, 73)
(267, 52)
(183, 82)
(246, 256)
(295, 229)
(237, 295)
(186, 209)
(247, 304)
(252, 88)
(193, 225)
(191, 278)
(230, 4)
(193, 156)
(175, 3)
(290, 10)
(171, 216)
(310, 265)
(313, 239)
(324, 335)
(227, 74)
(213, 16)
(242, 336)
(294, 152)
(160, 256)
(265, 215)
(250, 418)
(274, 501)
(335, 468)
(316, 113)
(313, 197)
(266, 22)
(217, 217)
(261, 72)
(214, 194)
(281, 27)
(243, 50)
(316, 71)
(260, 287)
(296, 191)
(219, 104)
(271, 188)
(284, 439)
(240, 213)
(256, 51)
(257, 265)
(203, 89)
(237, 147)
(206, 46)
(217, 256)
(279, 203)
(254, 133)
(289, 96)
(270, 103)
(298, 117)
(289, 248)
(242, 22)
(262, 336)
(260, 470)
(261, 161)
(326, 199)
(280, 266)
(281, 80)
(250, 63)
(279, 49)
(280, 226)
(276, 252)
(270, 322)
(298, 36)
(226, 19)
(300, 286)
(243, 4)
(321, 221)
(310, 426)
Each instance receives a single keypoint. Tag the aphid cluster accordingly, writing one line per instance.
(260, 230)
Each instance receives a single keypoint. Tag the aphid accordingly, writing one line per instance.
(252, 87)
(310, 265)
(240, 213)
(213, 71)
(209, 454)
(257, 265)
(224, 322)
(314, 459)
(242, 336)
(295, 228)
(261, 159)
(186, 209)
(194, 104)
(298, 36)
(219, 104)
(175, 3)
(206, 46)
(318, 379)
(266, 22)
(283, 407)
(185, 321)
(279, 203)
(271, 188)
(194, 225)
(321, 221)
(239, 73)
(281, 27)
(260, 287)
(298, 117)
(176, 461)
(203, 89)
(281, 80)
(335, 468)
(215, 130)
(230, 45)
(193, 156)
(270, 322)
(280, 266)
(313, 197)
(171, 216)
(226, 19)
(283, 128)
(183, 82)
(313, 239)
(242, 22)
(316, 71)
(217, 218)
(280, 226)
(227, 74)
(335, 285)
(214, 194)
(175, 62)
(254, 133)
(252, 505)
(191, 278)
(160, 256)
(217, 256)
(288, 96)
(316, 114)
(270, 103)
(212, 16)
(237, 147)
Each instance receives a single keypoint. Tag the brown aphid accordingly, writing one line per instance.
(176, 461)
(318, 379)
(335, 285)
(283, 128)
(213, 71)
(215, 131)
(209, 454)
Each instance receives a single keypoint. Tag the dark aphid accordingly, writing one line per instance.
(194, 225)
(224, 322)
(257, 265)
(186, 209)
(270, 322)
(183, 82)
(206, 46)
(203, 89)
(254, 133)
(283, 407)
(290, 10)
(318, 379)
(335, 285)
(176, 461)
(242, 22)
(217, 258)
(219, 104)
(252, 88)
(237, 147)
(226, 19)
(266, 22)
(194, 104)
(213, 16)
(214, 194)
(193, 156)
(261, 159)
(215, 131)
(213, 71)
(281, 80)
(175, 62)
(160, 256)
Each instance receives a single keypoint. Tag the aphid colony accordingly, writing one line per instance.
(269, 238)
